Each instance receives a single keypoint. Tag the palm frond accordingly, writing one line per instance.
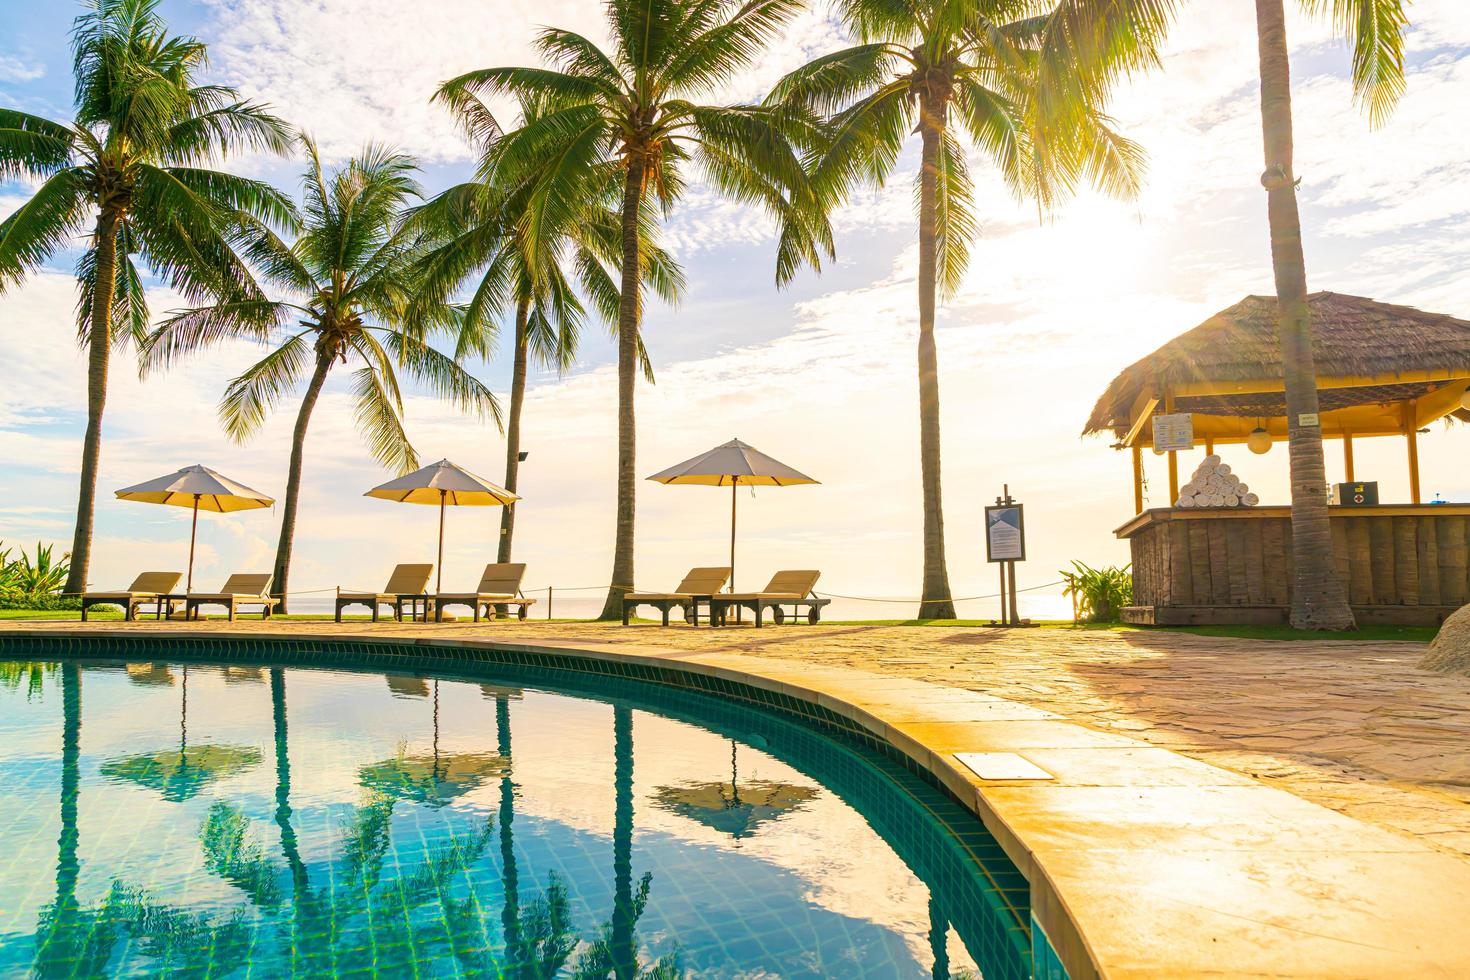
(379, 417)
(31, 146)
(443, 376)
(186, 332)
(251, 396)
(1376, 29)
(54, 216)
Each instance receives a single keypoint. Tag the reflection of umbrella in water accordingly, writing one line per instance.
(432, 778)
(179, 774)
(734, 808)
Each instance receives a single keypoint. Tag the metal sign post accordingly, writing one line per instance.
(1005, 544)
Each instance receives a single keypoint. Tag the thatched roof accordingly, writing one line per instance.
(1353, 336)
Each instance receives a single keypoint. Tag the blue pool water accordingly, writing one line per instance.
(258, 820)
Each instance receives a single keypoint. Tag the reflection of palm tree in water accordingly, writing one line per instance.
(76, 941)
(615, 953)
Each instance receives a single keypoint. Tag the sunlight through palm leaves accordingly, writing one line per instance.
(1005, 71)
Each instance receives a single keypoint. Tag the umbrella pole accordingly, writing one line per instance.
(193, 533)
(734, 489)
(439, 580)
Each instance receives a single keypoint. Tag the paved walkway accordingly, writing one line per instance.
(1353, 726)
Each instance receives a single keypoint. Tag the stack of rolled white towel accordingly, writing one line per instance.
(1213, 485)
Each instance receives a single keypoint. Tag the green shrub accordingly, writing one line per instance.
(34, 583)
(1099, 593)
(42, 603)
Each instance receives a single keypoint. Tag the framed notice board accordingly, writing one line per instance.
(1005, 533)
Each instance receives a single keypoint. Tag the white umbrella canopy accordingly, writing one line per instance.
(733, 464)
(199, 488)
(448, 485)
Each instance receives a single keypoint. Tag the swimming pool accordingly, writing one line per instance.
(259, 817)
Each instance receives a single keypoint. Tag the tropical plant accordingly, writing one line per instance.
(27, 578)
(351, 277)
(134, 163)
(1099, 595)
(1001, 69)
(633, 110)
(546, 267)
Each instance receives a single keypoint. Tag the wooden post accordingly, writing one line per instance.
(1209, 446)
(1173, 456)
(1347, 455)
(1138, 480)
(1412, 434)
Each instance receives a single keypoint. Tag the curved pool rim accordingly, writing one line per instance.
(1058, 951)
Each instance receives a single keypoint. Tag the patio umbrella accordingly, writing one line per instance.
(731, 808)
(447, 485)
(734, 465)
(200, 488)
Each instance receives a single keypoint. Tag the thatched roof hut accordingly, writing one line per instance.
(1381, 369)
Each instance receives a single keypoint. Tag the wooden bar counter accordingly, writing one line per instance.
(1402, 565)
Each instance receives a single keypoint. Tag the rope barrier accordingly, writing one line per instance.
(598, 588)
(968, 598)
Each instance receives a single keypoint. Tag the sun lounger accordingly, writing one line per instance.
(239, 590)
(147, 587)
(407, 583)
(499, 586)
(698, 586)
(788, 588)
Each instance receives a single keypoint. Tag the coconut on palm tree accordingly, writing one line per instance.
(134, 164)
(546, 267)
(634, 110)
(350, 280)
(957, 73)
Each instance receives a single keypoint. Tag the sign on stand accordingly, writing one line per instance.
(1005, 544)
(1005, 535)
(1174, 433)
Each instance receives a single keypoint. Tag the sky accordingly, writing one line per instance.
(820, 374)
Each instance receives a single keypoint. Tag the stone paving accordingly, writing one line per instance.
(1353, 726)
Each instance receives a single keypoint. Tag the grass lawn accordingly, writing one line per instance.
(1415, 634)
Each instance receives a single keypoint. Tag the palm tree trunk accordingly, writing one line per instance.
(513, 428)
(935, 602)
(1318, 601)
(293, 479)
(629, 309)
(99, 349)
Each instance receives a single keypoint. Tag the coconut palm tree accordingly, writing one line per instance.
(1375, 29)
(351, 277)
(957, 71)
(522, 259)
(133, 163)
(633, 110)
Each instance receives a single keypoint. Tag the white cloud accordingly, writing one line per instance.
(13, 69)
